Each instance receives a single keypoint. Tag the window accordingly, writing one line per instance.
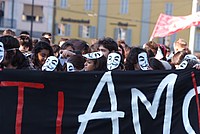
(63, 29)
(37, 13)
(63, 3)
(88, 5)
(87, 31)
(124, 6)
(2, 7)
(123, 34)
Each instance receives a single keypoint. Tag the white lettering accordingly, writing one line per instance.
(113, 114)
(185, 108)
(168, 81)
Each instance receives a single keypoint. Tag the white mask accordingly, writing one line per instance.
(50, 64)
(159, 54)
(191, 57)
(183, 65)
(143, 61)
(70, 67)
(1, 52)
(94, 55)
(113, 61)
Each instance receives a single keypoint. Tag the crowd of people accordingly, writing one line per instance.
(105, 54)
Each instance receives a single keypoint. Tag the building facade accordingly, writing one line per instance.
(17, 15)
(131, 20)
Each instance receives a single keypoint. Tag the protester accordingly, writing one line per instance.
(95, 61)
(137, 60)
(52, 64)
(69, 67)
(56, 50)
(107, 45)
(80, 46)
(94, 47)
(25, 33)
(66, 50)
(25, 45)
(2, 54)
(153, 49)
(126, 48)
(62, 41)
(48, 36)
(115, 61)
(177, 58)
(13, 58)
(181, 45)
(77, 61)
(40, 53)
(9, 32)
(156, 64)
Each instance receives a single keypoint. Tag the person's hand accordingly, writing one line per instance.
(66, 53)
(197, 66)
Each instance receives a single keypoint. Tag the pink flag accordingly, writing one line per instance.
(167, 25)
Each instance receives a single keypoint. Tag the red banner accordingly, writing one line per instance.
(167, 25)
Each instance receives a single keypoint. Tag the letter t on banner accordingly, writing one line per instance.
(20, 103)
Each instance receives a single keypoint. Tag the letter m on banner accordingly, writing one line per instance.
(168, 81)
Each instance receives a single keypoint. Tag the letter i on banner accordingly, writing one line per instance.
(60, 113)
(113, 114)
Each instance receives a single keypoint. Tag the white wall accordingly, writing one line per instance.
(45, 26)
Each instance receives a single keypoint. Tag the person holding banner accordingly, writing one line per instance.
(95, 61)
(107, 45)
(40, 53)
(115, 61)
(137, 60)
(180, 45)
(13, 57)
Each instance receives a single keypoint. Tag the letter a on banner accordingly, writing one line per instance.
(113, 114)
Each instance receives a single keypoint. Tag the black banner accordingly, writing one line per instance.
(130, 102)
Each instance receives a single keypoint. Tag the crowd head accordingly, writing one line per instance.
(105, 54)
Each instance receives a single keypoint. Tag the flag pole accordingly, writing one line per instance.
(193, 28)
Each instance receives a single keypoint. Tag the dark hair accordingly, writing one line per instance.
(155, 64)
(79, 45)
(62, 39)
(100, 64)
(14, 56)
(45, 39)
(132, 58)
(94, 47)
(9, 32)
(56, 49)
(108, 43)
(24, 32)
(123, 51)
(178, 57)
(38, 47)
(25, 41)
(46, 33)
(78, 61)
(65, 45)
